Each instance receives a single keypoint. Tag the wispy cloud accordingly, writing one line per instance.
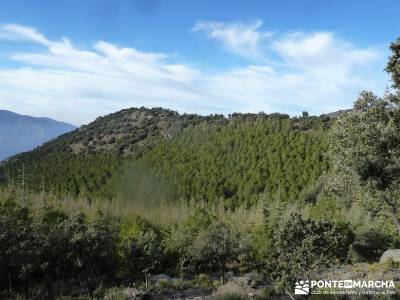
(15, 32)
(245, 39)
(318, 48)
(314, 71)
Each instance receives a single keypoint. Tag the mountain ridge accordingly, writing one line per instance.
(21, 133)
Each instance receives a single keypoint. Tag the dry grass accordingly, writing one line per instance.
(160, 213)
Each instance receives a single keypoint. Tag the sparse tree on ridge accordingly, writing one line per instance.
(393, 66)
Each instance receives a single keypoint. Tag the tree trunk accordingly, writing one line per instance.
(89, 287)
(49, 289)
(182, 263)
(26, 288)
(9, 283)
(221, 274)
(290, 295)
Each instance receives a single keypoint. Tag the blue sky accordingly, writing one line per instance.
(74, 60)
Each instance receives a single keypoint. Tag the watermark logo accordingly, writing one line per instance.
(349, 287)
(302, 287)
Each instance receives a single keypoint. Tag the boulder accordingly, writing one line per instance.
(238, 286)
(253, 277)
(133, 293)
(228, 275)
(393, 255)
(156, 279)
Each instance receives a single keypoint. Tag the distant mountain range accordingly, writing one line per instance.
(19, 133)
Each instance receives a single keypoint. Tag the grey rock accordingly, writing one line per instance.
(393, 254)
(238, 286)
(253, 276)
(133, 293)
(156, 279)
(228, 275)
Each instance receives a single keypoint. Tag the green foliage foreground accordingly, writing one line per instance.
(53, 253)
(48, 252)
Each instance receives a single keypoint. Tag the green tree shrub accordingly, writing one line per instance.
(218, 246)
(301, 246)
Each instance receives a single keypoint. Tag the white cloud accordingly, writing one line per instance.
(243, 39)
(316, 71)
(16, 32)
(321, 48)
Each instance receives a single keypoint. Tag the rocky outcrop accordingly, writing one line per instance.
(393, 255)
(157, 279)
(245, 286)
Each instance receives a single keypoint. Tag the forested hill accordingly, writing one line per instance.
(156, 153)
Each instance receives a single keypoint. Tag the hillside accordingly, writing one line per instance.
(84, 162)
(19, 133)
(160, 154)
(236, 161)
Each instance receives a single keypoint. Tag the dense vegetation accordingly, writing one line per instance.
(243, 158)
(233, 159)
(50, 253)
(85, 161)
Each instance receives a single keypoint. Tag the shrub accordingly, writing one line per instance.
(230, 296)
(369, 245)
(180, 239)
(217, 246)
(115, 293)
(301, 246)
(140, 248)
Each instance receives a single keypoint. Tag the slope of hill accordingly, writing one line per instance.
(19, 133)
(240, 159)
(84, 161)
(158, 153)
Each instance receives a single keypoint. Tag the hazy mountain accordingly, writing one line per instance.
(19, 133)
